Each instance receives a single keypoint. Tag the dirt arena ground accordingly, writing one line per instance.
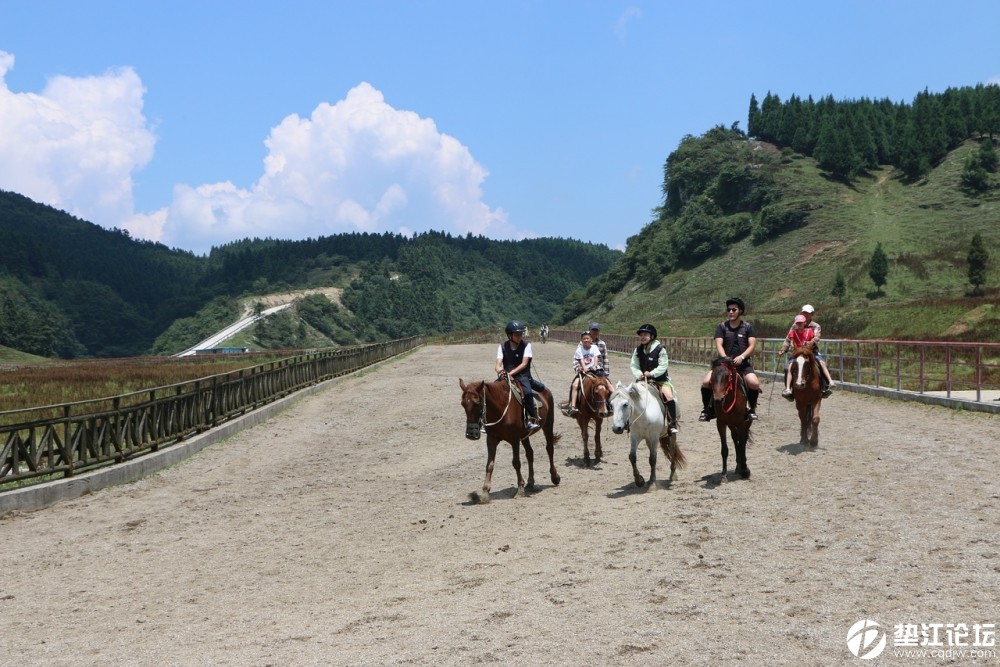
(341, 533)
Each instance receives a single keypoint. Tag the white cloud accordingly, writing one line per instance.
(76, 145)
(357, 165)
(621, 25)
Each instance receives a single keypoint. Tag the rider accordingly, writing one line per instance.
(514, 359)
(544, 332)
(595, 336)
(807, 311)
(798, 336)
(587, 359)
(735, 339)
(650, 362)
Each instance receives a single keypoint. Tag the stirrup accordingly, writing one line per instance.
(705, 416)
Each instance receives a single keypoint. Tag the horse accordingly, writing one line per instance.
(808, 393)
(544, 334)
(729, 396)
(492, 406)
(594, 392)
(634, 408)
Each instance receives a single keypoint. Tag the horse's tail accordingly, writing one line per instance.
(672, 451)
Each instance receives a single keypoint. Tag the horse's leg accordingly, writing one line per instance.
(491, 459)
(516, 462)
(585, 434)
(548, 430)
(633, 445)
(529, 454)
(804, 420)
(652, 460)
(740, 441)
(668, 443)
(597, 439)
(814, 436)
(725, 447)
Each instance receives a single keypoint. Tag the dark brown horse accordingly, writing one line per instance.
(730, 398)
(594, 407)
(493, 407)
(808, 392)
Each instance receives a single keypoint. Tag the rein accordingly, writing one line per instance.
(586, 396)
(482, 415)
(731, 389)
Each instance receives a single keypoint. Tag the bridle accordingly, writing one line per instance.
(731, 387)
(482, 404)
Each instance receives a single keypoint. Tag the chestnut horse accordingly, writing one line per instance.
(730, 397)
(808, 392)
(493, 407)
(635, 408)
(595, 391)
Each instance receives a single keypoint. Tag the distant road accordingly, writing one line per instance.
(231, 330)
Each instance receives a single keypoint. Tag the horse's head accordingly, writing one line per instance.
(802, 370)
(724, 376)
(474, 404)
(598, 392)
(621, 407)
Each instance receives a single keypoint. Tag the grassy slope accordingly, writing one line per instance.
(925, 229)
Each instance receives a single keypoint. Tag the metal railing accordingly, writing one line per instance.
(63, 440)
(961, 372)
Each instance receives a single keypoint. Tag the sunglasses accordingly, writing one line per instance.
(731, 310)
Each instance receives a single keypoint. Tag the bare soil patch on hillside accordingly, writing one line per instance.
(341, 532)
(281, 298)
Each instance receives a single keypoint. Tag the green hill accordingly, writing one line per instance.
(814, 227)
(69, 288)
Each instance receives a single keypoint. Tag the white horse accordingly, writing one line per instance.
(634, 408)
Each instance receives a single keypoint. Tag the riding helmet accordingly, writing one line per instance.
(648, 328)
(735, 301)
(514, 327)
(594, 326)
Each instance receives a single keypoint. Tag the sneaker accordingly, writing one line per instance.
(705, 416)
(566, 410)
(672, 429)
(787, 393)
(573, 412)
(827, 393)
(533, 425)
(751, 415)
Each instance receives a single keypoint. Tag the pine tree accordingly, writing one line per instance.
(839, 288)
(978, 259)
(878, 268)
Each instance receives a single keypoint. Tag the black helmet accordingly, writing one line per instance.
(648, 328)
(735, 301)
(514, 327)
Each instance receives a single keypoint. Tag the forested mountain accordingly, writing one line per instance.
(70, 288)
(789, 212)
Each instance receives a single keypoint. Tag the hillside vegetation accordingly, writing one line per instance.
(69, 288)
(750, 218)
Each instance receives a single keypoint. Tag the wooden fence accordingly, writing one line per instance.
(66, 439)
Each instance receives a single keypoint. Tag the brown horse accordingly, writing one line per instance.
(493, 407)
(594, 393)
(808, 392)
(730, 397)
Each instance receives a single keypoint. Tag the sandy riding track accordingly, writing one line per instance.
(340, 533)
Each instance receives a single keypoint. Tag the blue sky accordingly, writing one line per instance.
(198, 123)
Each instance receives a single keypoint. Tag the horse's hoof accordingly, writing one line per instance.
(640, 482)
(743, 472)
(479, 497)
(555, 480)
